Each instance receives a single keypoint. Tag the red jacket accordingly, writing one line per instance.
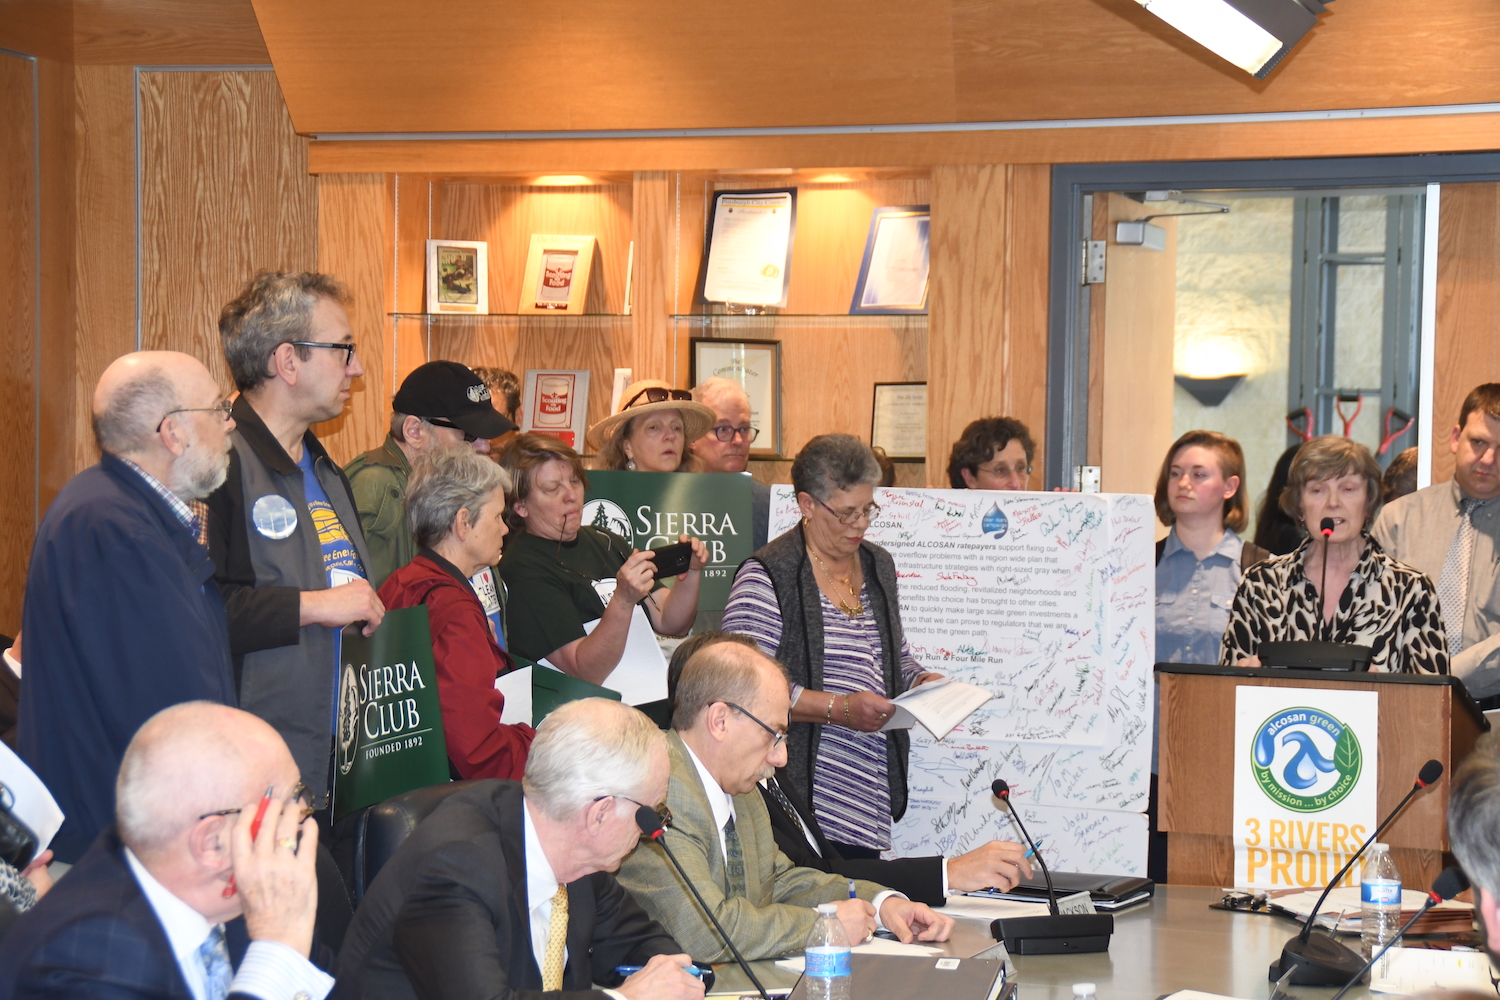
(468, 661)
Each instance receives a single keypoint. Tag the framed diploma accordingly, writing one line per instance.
(556, 403)
(749, 248)
(754, 364)
(458, 274)
(899, 424)
(557, 274)
(893, 274)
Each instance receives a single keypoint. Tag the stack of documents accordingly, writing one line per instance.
(874, 946)
(938, 705)
(1449, 916)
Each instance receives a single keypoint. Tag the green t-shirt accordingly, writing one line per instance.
(547, 604)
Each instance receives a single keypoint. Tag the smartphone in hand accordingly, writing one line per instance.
(672, 560)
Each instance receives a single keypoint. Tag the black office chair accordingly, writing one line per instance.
(364, 841)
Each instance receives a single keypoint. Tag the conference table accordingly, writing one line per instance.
(1175, 942)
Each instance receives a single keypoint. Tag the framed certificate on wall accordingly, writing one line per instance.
(458, 274)
(893, 274)
(754, 364)
(899, 422)
(748, 253)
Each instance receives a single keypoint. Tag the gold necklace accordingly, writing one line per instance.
(852, 610)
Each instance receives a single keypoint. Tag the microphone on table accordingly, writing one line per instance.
(651, 825)
(1323, 961)
(1056, 933)
(1325, 528)
(1448, 884)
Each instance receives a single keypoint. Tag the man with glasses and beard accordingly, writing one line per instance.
(729, 726)
(122, 617)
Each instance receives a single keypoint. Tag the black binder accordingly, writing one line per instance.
(1109, 892)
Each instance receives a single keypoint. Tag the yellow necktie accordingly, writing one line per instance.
(557, 941)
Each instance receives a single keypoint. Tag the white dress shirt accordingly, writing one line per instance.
(721, 804)
(270, 971)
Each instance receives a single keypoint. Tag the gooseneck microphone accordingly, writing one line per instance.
(1323, 961)
(1448, 884)
(651, 826)
(1001, 788)
(1057, 933)
(1325, 528)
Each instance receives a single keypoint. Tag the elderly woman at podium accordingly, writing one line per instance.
(823, 601)
(1338, 585)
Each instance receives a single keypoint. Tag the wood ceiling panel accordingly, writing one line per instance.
(396, 66)
(166, 32)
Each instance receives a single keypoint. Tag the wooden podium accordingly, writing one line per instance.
(1422, 717)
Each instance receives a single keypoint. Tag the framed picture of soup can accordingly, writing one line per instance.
(557, 275)
(556, 403)
(458, 277)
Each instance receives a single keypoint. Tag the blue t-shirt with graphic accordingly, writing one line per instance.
(340, 559)
(488, 588)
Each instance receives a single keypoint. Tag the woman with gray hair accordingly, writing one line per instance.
(1361, 596)
(455, 504)
(823, 601)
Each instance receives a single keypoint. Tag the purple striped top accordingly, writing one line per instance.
(851, 792)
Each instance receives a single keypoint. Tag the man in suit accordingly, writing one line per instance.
(122, 617)
(505, 889)
(729, 729)
(997, 864)
(153, 908)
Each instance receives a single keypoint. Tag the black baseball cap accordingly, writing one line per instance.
(451, 392)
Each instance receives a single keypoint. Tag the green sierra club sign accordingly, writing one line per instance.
(653, 508)
(389, 737)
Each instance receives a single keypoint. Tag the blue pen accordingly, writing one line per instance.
(852, 893)
(1031, 851)
(630, 970)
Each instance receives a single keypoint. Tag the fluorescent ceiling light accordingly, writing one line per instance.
(1251, 34)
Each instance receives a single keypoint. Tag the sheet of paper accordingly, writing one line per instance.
(749, 248)
(1198, 995)
(1409, 971)
(1346, 901)
(874, 946)
(33, 804)
(989, 908)
(642, 673)
(938, 705)
(516, 687)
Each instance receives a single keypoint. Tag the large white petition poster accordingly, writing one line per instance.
(1304, 783)
(1048, 601)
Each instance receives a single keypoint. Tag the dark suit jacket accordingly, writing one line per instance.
(920, 879)
(448, 915)
(95, 935)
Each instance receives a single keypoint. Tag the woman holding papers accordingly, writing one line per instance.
(564, 576)
(455, 504)
(823, 601)
(652, 429)
(1370, 599)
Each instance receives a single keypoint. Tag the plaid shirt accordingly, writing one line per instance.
(192, 513)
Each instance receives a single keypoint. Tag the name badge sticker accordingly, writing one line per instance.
(274, 516)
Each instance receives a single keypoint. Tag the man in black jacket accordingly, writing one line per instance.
(997, 864)
(505, 889)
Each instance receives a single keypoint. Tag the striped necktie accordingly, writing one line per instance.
(557, 941)
(1453, 585)
(774, 787)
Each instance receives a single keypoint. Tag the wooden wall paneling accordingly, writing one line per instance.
(57, 364)
(654, 224)
(225, 193)
(1468, 307)
(356, 223)
(1139, 321)
(42, 28)
(1367, 136)
(19, 305)
(987, 342)
(413, 196)
(167, 32)
(105, 237)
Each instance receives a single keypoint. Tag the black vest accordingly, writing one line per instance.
(801, 649)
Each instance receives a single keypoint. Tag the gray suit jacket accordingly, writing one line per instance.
(1418, 530)
(774, 917)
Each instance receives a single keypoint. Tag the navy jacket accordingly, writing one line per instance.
(122, 619)
(95, 935)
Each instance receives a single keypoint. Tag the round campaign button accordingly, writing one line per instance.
(274, 516)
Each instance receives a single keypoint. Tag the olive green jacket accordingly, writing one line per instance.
(378, 478)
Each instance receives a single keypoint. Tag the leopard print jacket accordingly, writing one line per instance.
(1387, 606)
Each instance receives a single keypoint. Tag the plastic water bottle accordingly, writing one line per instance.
(1379, 899)
(1084, 991)
(829, 976)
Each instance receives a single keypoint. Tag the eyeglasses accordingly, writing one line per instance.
(662, 812)
(440, 422)
(222, 408)
(655, 395)
(728, 434)
(1004, 470)
(778, 736)
(348, 349)
(869, 512)
(301, 797)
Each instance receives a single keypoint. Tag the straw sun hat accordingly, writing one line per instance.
(696, 418)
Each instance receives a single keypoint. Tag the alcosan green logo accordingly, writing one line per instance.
(1306, 760)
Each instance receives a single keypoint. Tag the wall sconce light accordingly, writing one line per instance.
(1252, 34)
(1209, 391)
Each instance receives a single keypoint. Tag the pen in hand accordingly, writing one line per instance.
(1031, 851)
(260, 813)
(852, 893)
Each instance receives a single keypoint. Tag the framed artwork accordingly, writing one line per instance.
(748, 253)
(899, 420)
(458, 273)
(557, 274)
(556, 403)
(754, 364)
(893, 274)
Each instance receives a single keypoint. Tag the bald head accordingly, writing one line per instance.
(731, 406)
(137, 390)
(723, 672)
(710, 392)
(192, 759)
